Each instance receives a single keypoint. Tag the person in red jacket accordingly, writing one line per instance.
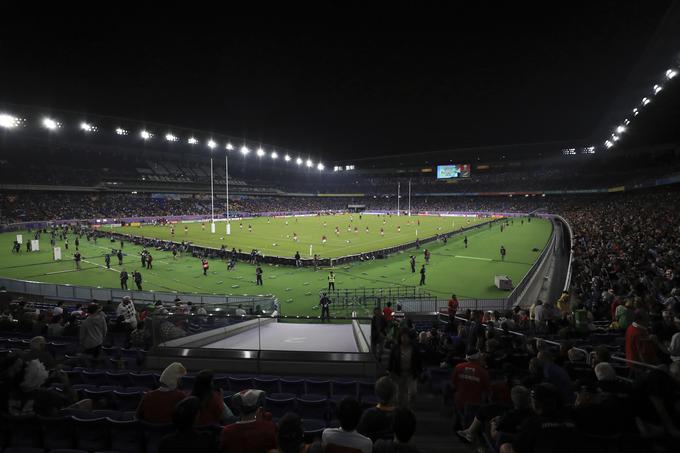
(388, 312)
(470, 381)
(204, 263)
(254, 432)
(639, 346)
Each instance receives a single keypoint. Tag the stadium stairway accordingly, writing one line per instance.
(435, 433)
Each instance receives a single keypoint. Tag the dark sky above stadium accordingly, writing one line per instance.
(341, 85)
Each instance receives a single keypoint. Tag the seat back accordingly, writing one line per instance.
(92, 434)
(126, 435)
(57, 432)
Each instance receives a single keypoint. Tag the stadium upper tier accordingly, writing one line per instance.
(128, 170)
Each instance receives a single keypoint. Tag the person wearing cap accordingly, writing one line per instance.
(346, 438)
(549, 429)
(470, 382)
(254, 432)
(157, 405)
(92, 331)
(186, 438)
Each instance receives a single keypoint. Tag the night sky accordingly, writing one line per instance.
(339, 88)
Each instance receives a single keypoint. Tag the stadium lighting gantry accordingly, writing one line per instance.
(671, 73)
(171, 138)
(8, 121)
(87, 127)
(298, 161)
(229, 147)
(260, 152)
(121, 131)
(49, 123)
(320, 166)
(244, 150)
(657, 88)
(286, 158)
(309, 163)
(192, 140)
(146, 135)
(212, 144)
(620, 129)
(645, 101)
(635, 111)
(608, 144)
(275, 155)
(615, 137)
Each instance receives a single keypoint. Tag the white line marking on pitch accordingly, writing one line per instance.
(61, 272)
(99, 265)
(473, 258)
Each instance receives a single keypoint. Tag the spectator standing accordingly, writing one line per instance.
(405, 366)
(212, 407)
(404, 426)
(639, 347)
(378, 332)
(93, 331)
(471, 382)
(127, 314)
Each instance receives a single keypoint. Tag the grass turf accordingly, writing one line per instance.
(453, 269)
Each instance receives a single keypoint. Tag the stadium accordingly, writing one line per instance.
(343, 257)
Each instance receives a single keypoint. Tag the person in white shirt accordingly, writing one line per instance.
(58, 311)
(240, 311)
(126, 309)
(349, 413)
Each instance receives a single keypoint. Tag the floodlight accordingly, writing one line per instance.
(171, 138)
(50, 124)
(121, 131)
(244, 150)
(229, 146)
(320, 166)
(260, 152)
(626, 122)
(645, 101)
(286, 158)
(657, 88)
(275, 155)
(608, 144)
(9, 121)
(635, 111)
(615, 137)
(671, 73)
(298, 161)
(212, 144)
(309, 163)
(146, 134)
(620, 129)
(87, 127)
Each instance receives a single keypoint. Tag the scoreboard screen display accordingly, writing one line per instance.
(453, 171)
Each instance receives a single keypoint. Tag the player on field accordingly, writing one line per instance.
(77, 258)
(422, 275)
(258, 276)
(503, 252)
(412, 261)
(323, 239)
(205, 265)
(427, 256)
(465, 241)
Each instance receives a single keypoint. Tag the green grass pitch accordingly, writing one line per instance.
(453, 269)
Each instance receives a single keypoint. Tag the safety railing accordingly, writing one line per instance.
(567, 278)
(86, 294)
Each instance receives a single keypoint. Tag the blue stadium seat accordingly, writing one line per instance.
(66, 450)
(119, 378)
(145, 380)
(279, 406)
(94, 377)
(344, 388)
(127, 401)
(57, 432)
(313, 428)
(269, 385)
(294, 386)
(312, 406)
(318, 386)
(238, 383)
(366, 388)
(92, 434)
(74, 376)
(23, 450)
(100, 398)
(127, 435)
(221, 382)
(153, 433)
